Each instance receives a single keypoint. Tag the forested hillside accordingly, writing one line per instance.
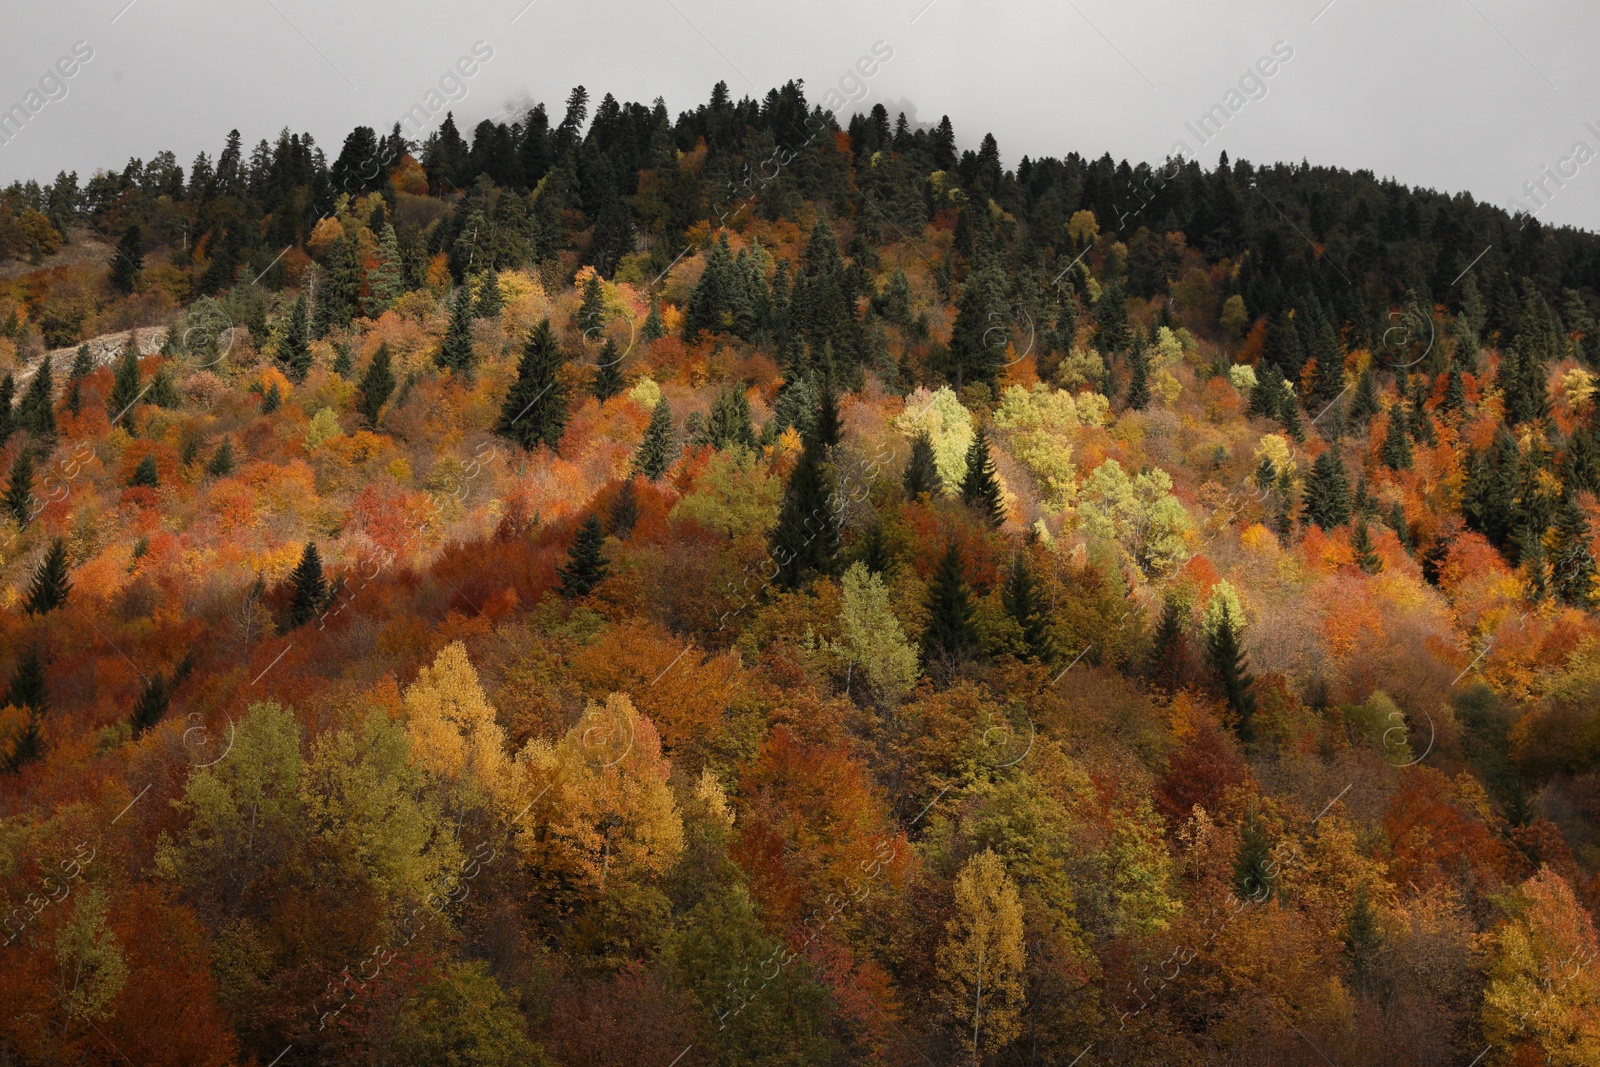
(735, 589)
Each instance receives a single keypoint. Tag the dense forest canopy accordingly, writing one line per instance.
(737, 588)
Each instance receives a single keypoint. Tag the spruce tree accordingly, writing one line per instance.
(1111, 320)
(951, 636)
(592, 312)
(271, 399)
(163, 392)
(1455, 393)
(1361, 548)
(875, 554)
(146, 475)
(376, 386)
(221, 463)
(1572, 564)
(1396, 442)
(586, 561)
(342, 363)
(489, 299)
(310, 589)
(386, 283)
(922, 471)
(1267, 398)
(653, 329)
(1364, 404)
(1021, 599)
(980, 488)
(656, 452)
(1139, 379)
(1327, 492)
(728, 423)
(608, 372)
(51, 585)
(154, 700)
(1252, 863)
(1225, 651)
(28, 746)
(29, 687)
(1397, 523)
(36, 414)
(294, 350)
(535, 409)
(1166, 654)
(125, 387)
(82, 367)
(19, 491)
(455, 355)
(805, 541)
(8, 419)
(1362, 939)
(129, 261)
(1289, 416)
(624, 512)
(826, 430)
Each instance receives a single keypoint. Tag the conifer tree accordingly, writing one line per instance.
(310, 589)
(1225, 652)
(922, 471)
(342, 362)
(1397, 523)
(154, 700)
(826, 429)
(805, 541)
(28, 746)
(51, 585)
(592, 312)
(128, 262)
(656, 452)
(455, 355)
(1362, 939)
(271, 399)
(875, 554)
(82, 367)
(221, 463)
(1455, 393)
(1327, 492)
(163, 391)
(36, 414)
(728, 422)
(535, 409)
(386, 283)
(1139, 379)
(608, 372)
(1267, 398)
(125, 387)
(624, 512)
(1364, 404)
(586, 561)
(951, 636)
(490, 300)
(653, 329)
(980, 488)
(1252, 863)
(1166, 654)
(8, 420)
(1361, 548)
(1396, 442)
(1572, 564)
(294, 351)
(19, 491)
(29, 687)
(1111, 320)
(376, 386)
(1289, 416)
(145, 475)
(1021, 599)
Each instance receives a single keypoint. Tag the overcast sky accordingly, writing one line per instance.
(1475, 95)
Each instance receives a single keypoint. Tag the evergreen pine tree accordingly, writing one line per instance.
(51, 584)
(1396, 442)
(28, 746)
(29, 687)
(922, 471)
(1362, 939)
(82, 367)
(980, 488)
(1252, 863)
(535, 409)
(1364, 404)
(1289, 416)
(1572, 564)
(1361, 549)
(221, 463)
(805, 541)
(1111, 320)
(310, 589)
(951, 636)
(608, 372)
(455, 355)
(1166, 654)
(1139, 380)
(376, 386)
(8, 420)
(728, 423)
(129, 261)
(294, 351)
(1021, 599)
(1225, 651)
(656, 452)
(151, 707)
(146, 475)
(653, 329)
(826, 429)
(586, 561)
(1397, 523)
(1267, 398)
(592, 312)
(1455, 393)
(343, 364)
(489, 299)
(125, 388)
(624, 514)
(271, 399)
(37, 413)
(386, 283)
(163, 392)
(19, 491)
(875, 554)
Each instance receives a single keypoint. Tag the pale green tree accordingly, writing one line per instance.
(948, 425)
(1138, 514)
(874, 643)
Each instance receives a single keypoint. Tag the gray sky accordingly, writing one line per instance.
(1474, 95)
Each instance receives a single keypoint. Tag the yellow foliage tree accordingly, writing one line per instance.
(1542, 1001)
(982, 957)
(453, 732)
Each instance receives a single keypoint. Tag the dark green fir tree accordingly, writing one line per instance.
(535, 409)
(1023, 603)
(51, 584)
(980, 487)
(19, 490)
(376, 386)
(586, 561)
(951, 636)
(455, 354)
(309, 590)
(922, 470)
(658, 449)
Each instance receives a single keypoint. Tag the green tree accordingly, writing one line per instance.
(151, 707)
(82, 367)
(8, 392)
(1223, 626)
(1023, 604)
(294, 350)
(874, 644)
(586, 561)
(728, 423)
(386, 283)
(1361, 548)
(535, 409)
(805, 541)
(1111, 320)
(656, 452)
(50, 585)
(1327, 493)
(1362, 939)
(145, 475)
(1364, 404)
(608, 380)
(36, 414)
(1572, 564)
(376, 386)
(592, 312)
(980, 489)
(125, 388)
(163, 392)
(28, 745)
(309, 589)
(128, 262)
(29, 687)
(19, 492)
(624, 513)
(490, 300)
(922, 471)
(221, 464)
(1253, 872)
(1139, 380)
(455, 354)
(1396, 442)
(951, 636)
